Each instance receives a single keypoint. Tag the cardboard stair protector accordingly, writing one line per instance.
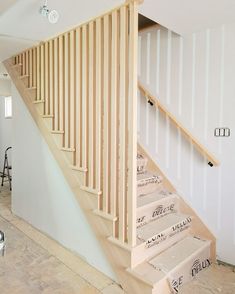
(163, 229)
(148, 183)
(183, 261)
(154, 206)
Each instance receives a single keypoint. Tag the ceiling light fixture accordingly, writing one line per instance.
(51, 15)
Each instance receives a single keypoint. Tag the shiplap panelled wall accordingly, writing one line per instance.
(87, 80)
(193, 77)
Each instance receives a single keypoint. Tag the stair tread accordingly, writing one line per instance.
(160, 225)
(177, 253)
(147, 175)
(143, 200)
(158, 267)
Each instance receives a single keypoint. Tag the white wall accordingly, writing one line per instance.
(5, 133)
(5, 87)
(41, 195)
(194, 77)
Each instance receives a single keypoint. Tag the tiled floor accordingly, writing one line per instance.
(35, 264)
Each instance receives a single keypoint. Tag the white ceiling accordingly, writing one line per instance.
(21, 26)
(188, 16)
(20, 19)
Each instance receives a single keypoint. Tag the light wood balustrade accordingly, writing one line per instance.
(86, 80)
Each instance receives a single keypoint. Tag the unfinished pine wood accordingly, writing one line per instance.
(27, 63)
(34, 85)
(132, 123)
(47, 76)
(66, 93)
(51, 80)
(42, 94)
(30, 68)
(211, 158)
(78, 99)
(72, 90)
(95, 112)
(23, 64)
(56, 86)
(91, 114)
(122, 130)
(61, 84)
(84, 96)
(85, 92)
(114, 119)
(98, 138)
(106, 132)
(38, 95)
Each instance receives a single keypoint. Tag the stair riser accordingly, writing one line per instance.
(156, 211)
(80, 176)
(39, 107)
(58, 138)
(185, 271)
(160, 242)
(33, 94)
(69, 156)
(48, 121)
(148, 186)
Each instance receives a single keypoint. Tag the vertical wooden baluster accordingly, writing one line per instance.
(106, 171)
(98, 108)
(21, 62)
(46, 73)
(26, 80)
(61, 84)
(23, 65)
(42, 76)
(34, 68)
(56, 95)
(78, 98)
(72, 93)
(114, 123)
(66, 91)
(30, 68)
(38, 96)
(132, 123)
(91, 105)
(122, 130)
(51, 81)
(84, 97)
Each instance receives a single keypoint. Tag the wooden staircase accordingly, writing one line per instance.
(82, 97)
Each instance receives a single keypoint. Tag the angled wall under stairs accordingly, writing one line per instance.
(153, 240)
(41, 195)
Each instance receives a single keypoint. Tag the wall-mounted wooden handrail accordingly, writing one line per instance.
(154, 101)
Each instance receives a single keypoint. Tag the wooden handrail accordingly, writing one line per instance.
(154, 101)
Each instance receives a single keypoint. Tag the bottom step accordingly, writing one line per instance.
(168, 271)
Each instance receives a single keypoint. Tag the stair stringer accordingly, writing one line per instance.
(199, 229)
(102, 225)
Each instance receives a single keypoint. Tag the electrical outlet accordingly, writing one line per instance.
(222, 132)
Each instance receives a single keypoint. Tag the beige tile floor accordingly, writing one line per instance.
(35, 264)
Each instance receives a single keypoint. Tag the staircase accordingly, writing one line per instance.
(82, 97)
(169, 251)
